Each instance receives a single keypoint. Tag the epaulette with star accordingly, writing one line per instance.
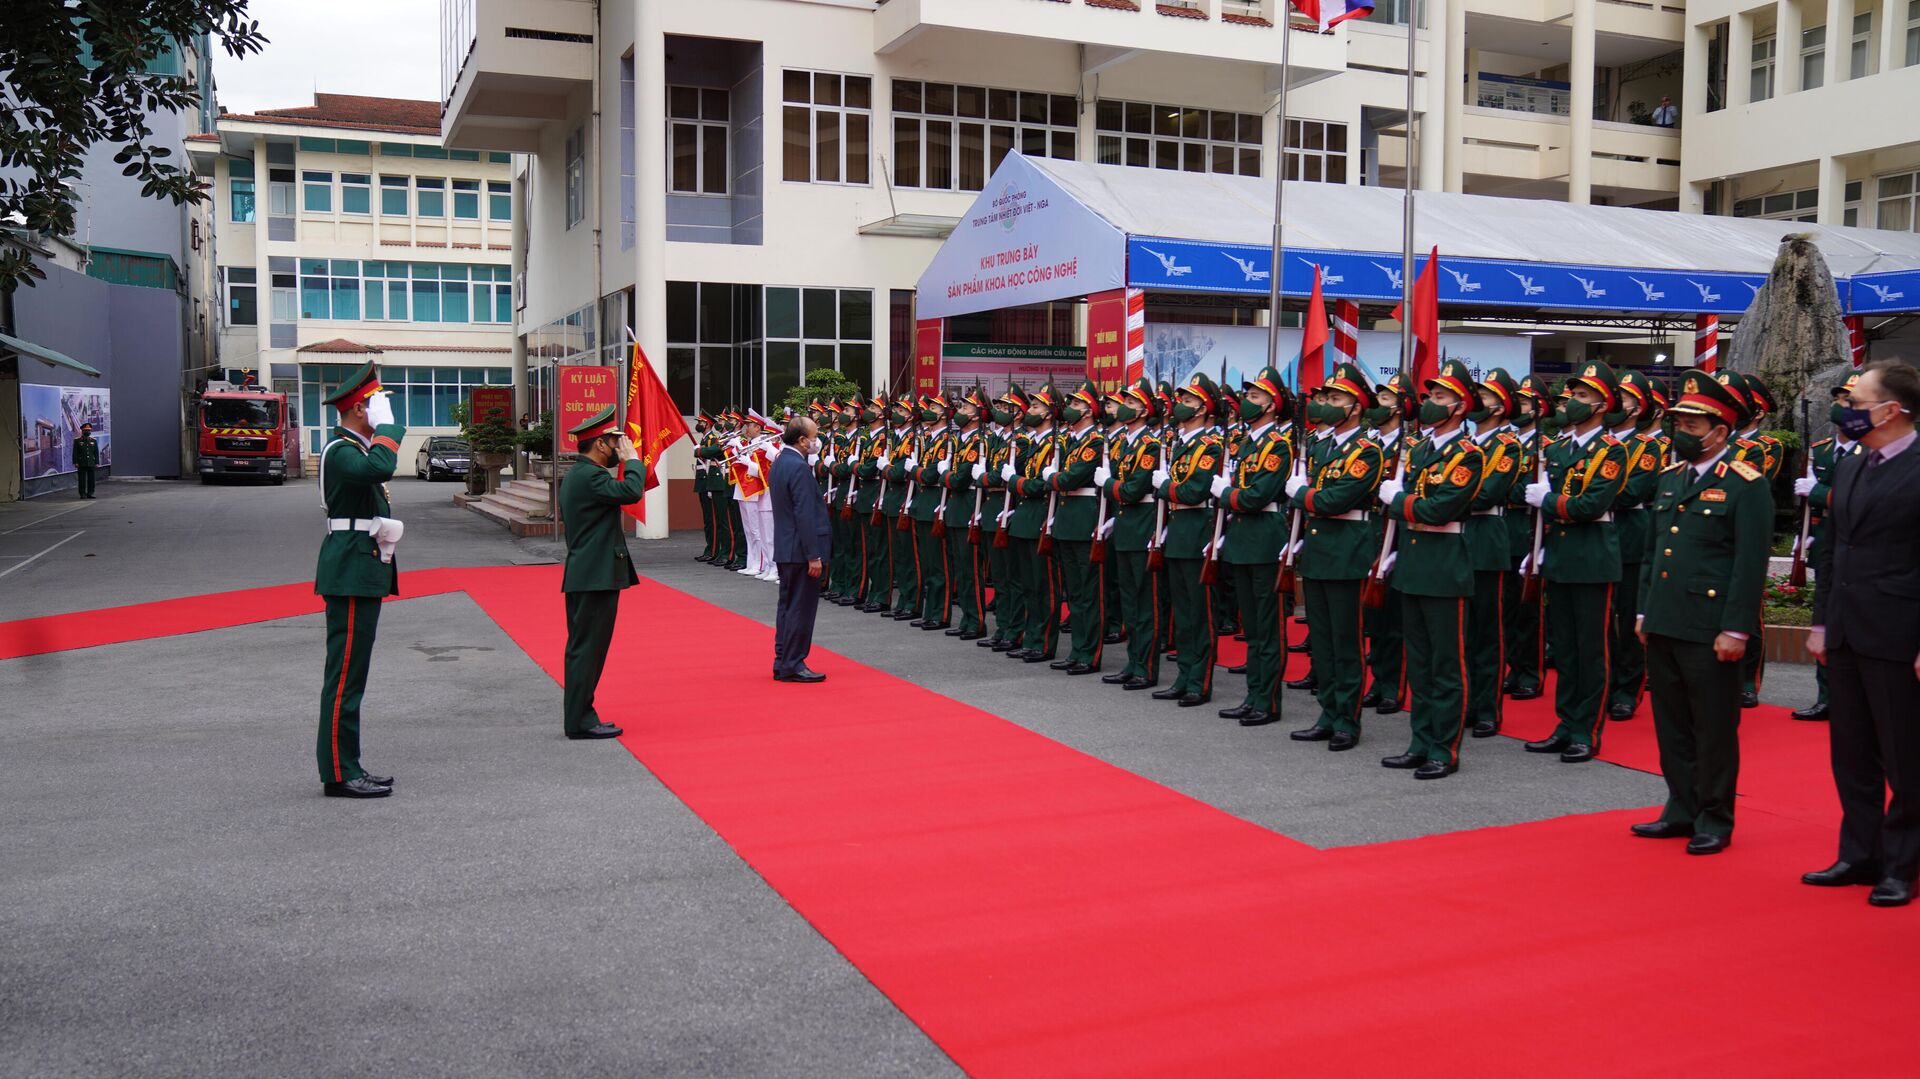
(1607, 439)
(1675, 467)
(1745, 471)
(1822, 442)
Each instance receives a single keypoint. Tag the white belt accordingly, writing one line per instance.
(1079, 492)
(1497, 511)
(1451, 528)
(351, 524)
(1350, 515)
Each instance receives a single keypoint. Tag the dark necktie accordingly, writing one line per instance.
(1874, 459)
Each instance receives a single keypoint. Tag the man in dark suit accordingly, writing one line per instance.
(1866, 613)
(802, 541)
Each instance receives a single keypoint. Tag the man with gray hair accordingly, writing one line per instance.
(802, 542)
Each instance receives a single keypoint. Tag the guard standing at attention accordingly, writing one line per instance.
(896, 509)
(703, 472)
(1075, 519)
(1128, 484)
(926, 512)
(1186, 483)
(1585, 471)
(1488, 545)
(1254, 492)
(966, 545)
(1003, 447)
(876, 530)
(352, 575)
(1765, 452)
(1434, 571)
(1386, 636)
(1523, 618)
(1337, 552)
(598, 566)
(1701, 586)
(1632, 424)
(1026, 477)
(86, 459)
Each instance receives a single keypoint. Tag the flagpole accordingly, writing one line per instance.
(1279, 199)
(1406, 213)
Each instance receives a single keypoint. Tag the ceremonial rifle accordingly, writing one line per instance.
(1053, 497)
(1797, 574)
(1098, 555)
(904, 523)
(1210, 569)
(940, 511)
(885, 481)
(979, 490)
(1156, 553)
(1289, 555)
(1531, 581)
(1374, 592)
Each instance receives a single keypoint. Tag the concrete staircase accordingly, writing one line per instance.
(519, 505)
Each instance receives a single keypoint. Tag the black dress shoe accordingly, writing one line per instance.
(1003, 647)
(1555, 744)
(1137, 683)
(1387, 708)
(1241, 669)
(355, 788)
(703, 558)
(1749, 699)
(917, 622)
(973, 635)
(846, 601)
(1662, 829)
(1371, 699)
(1841, 874)
(1297, 648)
(1311, 734)
(1116, 678)
(1708, 844)
(829, 595)
(1168, 694)
(598, 730)
(1060, 665)
(1193, 700)
(937, 625)
(955, 631)
(1526, 694)
(1342, 741)
(378, 781)
(1037, 657)
(902, 616)
(1257, 718)
(1403, 760)
(1812, 712)
(1486, 728)
(803, 676)
(1114, 638)
(1577, 753)
(1083, 668)
(1238, 711)
(1435, 770)
(1892, 892)
(1621, 712)
(871, 608)
(990, 642)
(1309, 682)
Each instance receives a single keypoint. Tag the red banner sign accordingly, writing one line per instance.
(486, 401)
(927, 335)
(582, 391)
(1107, 339)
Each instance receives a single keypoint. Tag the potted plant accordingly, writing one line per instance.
(537, 443)
(1787, 611)
(491, 439)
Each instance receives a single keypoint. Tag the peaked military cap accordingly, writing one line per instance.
(600, 423)
(1454, 377)
(1502, 386)
(1599, 378)
(1202, 387)
(1269, 382)
(1531, 386)
(356, 387)
(1847, 386)
(1085, 396)
(1349, 379)
(1704, 395)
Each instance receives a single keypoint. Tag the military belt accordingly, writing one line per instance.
(1497, 511)
(351, 524)
(1079, 492)
(1451, 528)
(1350, 515)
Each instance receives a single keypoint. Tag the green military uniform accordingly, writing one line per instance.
(1003, 448)
(843, 577)
(928, 511)
(1255, 495)
(86, 460)
(353, 579)
(1489, 550)
(1336, 554)
(597, 569)
(1037, 570)
(896, 506)
(1584, 475)
(1134, 455)
(1524, 616)
(1192, 463)
(1763, 452)
(1645, 458)
(703, 473)
(966, 543)
(1704, 576)
(1385, 626)
(1077, 504)
(1433, 574)
(876, 530)
(729, 532)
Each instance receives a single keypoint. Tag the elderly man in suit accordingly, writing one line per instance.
(802, 542)
(1866, 613)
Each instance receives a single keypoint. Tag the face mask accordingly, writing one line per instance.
(1032, 420)
(1379, 415)
(1689, 447)
(1614, 419)
(1574, 412)
(1104, 419)
(1835, 413)
(1003, 416)
(1072, 415)
(1646, 421)
(1250, 411)
(1325, 414)
(1183, 412)
(869, 415)
(1480, 415)
(1126, 413)
(1433, 412)
(1856, 423)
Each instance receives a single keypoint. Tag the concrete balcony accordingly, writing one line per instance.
(508, 68)
(1525, 155)
(1854, 119)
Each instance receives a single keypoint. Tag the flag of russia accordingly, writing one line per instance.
(1328, 14)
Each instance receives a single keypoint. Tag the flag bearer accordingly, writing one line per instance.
(1254, 495)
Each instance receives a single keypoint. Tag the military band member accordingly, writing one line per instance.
(1632, 425)
(1523, 617)
(1186, 483)
(1817, 488)
(1702, 584)
(352, 576)
(1585, 471)
(876, 529)
(1253, 492)
(1006, 444)
(1337, 551)
(1488, 546)
(1386, 639)
(1039, 572)
(1135, 455)
(598, 567)
(966, 545)
(896, 508)
(927, 509)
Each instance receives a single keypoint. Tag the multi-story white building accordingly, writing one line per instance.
(346, 230)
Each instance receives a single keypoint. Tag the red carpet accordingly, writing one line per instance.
(1038, 912)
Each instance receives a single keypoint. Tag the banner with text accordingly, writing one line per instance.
(995, 367)
(582, 391)
(927, 335)
(1107, 339)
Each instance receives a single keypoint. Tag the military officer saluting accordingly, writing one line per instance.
(1701, 587)
(598, 566)
(352, 575)
(1817, 488)
(1253, 493)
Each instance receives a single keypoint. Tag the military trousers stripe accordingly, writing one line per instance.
(1139, 591)
(1262, 621)
(352, 624)
(1339, 650)
(1579, 621)
(1436, 629)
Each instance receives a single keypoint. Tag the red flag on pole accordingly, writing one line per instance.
(1426, 322)
(653, 422)
(1313, 342)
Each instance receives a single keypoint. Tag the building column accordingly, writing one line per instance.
(1432, 104)
(1787, 25)
(649, 212)
(1457, 72)
(517, 240)
(1833, 191)
(1693, 197)
(1580, 108)
(1892, 22)
(1839, 40)
(1739, 59)
(1693, 73)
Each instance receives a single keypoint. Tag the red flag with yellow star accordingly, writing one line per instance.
(653, 422)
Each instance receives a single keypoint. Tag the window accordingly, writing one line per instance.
(1813, 57)
(696, 141)
(280, 192)
(286, 298)
(814, 329)
(1170, 137)
(1896, 198)
(466, 200)
(422, 396)
(1317, 151)
(243, 300)
(356, 193)
(1800, 205)
(499, 200)
(330, 289)
(1760, 79)
(1913, 33)
(951, 138)
(437, 292)
(240, 200)
(393, 196)
(576, 176)
(317, 192)
(628, 232)
(826, 121)
(1860, 56)
(430, 196)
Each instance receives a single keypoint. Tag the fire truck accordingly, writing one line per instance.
(246, 431)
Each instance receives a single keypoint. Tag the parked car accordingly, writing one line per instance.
(442, 457)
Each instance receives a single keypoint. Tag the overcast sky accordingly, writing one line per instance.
(383, 48)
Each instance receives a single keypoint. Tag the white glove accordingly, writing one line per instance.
(1106, 529)
(1295, 485)
(386, 535)
(753, 466)
(1049, 472)
(813, 459)
(1386, 567)
(941, 467)
(1803, 486)
(1537, 493)
(913, 462)
(830, 459)
(1160, 477)
(1389, 490)
(1006, 473)
(885, 460)
(1221, 485)
(979, 472)
(1101, 475)
(380, 409)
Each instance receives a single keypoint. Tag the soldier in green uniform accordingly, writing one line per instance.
(1253, 492)
(86, 460)
(598, 567)
(1817, 488)
(966, 550)
(1226, 599)
(1585, 471)
(1069, 482)
(1386, 638)
(1309, 456)
(1127, 481)
(836, 459)
(928, 510)
(1039, 573)
(1766, 453)
(703, 486)
(352, 576)
(876, 529)
(1005, 445)
(1701, 587)
(896, 506)
(1343, 475)
(1632, 424)
(1110, 428)
(1487, 547)
(1186, 483)
(1523, 616)
(1434, 570)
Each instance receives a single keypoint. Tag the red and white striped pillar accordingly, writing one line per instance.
(1706, 342)
(1857, 341)
(1346, 332)
(1136, 335)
